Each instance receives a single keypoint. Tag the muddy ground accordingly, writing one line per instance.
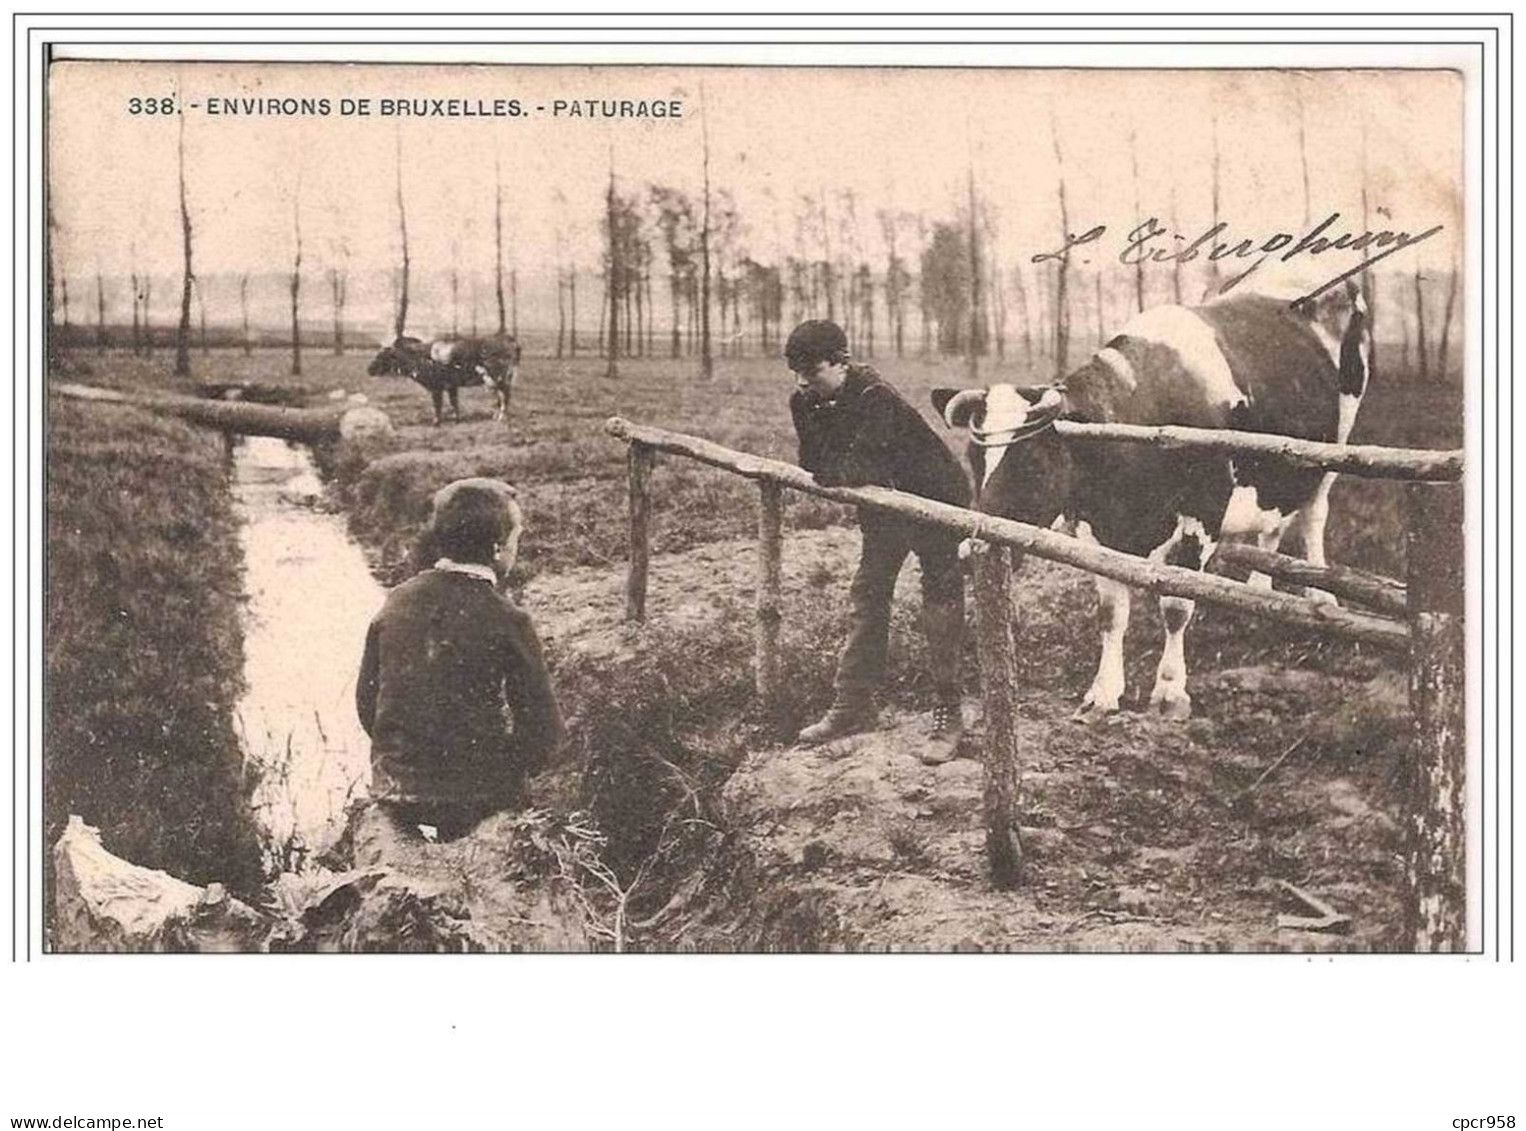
(1137, 833)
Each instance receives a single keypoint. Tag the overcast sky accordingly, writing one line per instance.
(900, 139)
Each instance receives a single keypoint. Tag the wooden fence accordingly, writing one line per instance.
(1424, 617)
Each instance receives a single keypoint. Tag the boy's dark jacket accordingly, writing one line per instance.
(867, 435)
(447, 662)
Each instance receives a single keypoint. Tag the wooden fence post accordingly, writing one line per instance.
(639, 461)
(769, 615)
(1435, 818)
(998, 667)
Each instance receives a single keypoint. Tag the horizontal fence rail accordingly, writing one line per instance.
(1369, 460)
(1162, 580)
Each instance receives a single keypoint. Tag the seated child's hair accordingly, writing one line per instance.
(469, 520)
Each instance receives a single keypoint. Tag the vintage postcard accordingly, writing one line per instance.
(754, 508)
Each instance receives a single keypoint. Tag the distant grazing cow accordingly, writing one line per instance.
(1246, 361)
(444, 365)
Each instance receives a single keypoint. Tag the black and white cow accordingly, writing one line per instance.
(1255, 362)
(444, 365)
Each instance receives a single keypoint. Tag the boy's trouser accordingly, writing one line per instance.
(886, 544)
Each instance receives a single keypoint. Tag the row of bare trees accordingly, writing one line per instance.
(722, 298)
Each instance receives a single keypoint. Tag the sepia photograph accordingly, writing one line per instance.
(752, 509)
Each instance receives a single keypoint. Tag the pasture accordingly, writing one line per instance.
(1166, 815)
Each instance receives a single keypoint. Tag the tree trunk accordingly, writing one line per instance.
(975, 344)
(676, 286)
(1446, 324)
(100, 314)
(1422, 354)
(561, 314)
(243, 301)
(337, 286)
(400, 325)
(1139, 286)
(498, 241)
(296, 283)
(706, 361)
(1061, 308)
(183, 336)
(572, 304)
(1213, 264)
(612, 354)
(137, 335)
(455, 297)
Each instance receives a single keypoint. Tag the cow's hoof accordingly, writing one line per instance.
(1171, 703)
(1089, 712)
(1321, 596)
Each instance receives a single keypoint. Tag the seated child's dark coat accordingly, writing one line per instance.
(448, 661)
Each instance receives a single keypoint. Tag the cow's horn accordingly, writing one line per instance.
(1047, 407)
(962, 406)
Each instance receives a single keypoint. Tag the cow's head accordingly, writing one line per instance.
(1020, 467)
(1340, 319)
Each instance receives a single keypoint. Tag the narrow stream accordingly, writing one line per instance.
(311, 597)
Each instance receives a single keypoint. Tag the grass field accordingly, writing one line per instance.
(572, 474)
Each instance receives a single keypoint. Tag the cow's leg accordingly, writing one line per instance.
(1170, 696)
(1189, 546)
(1310, 521)
(455, 403)
(1244, 515)
(437, 398)
(1113, 602)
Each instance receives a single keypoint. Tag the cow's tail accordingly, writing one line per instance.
(1356, 348)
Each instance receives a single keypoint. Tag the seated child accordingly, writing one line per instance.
(449, 663)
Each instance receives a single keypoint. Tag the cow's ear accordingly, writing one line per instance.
(1032, 393)
(940, 398)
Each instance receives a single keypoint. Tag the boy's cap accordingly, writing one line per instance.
(815, 341)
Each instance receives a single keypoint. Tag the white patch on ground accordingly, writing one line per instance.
(311, 598)
(1193, 341)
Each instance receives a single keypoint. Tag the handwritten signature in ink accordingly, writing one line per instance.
(1151, 242)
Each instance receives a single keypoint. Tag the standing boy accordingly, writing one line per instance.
(448, 662)
(855, 430)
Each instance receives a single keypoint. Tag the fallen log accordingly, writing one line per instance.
(306, 425)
